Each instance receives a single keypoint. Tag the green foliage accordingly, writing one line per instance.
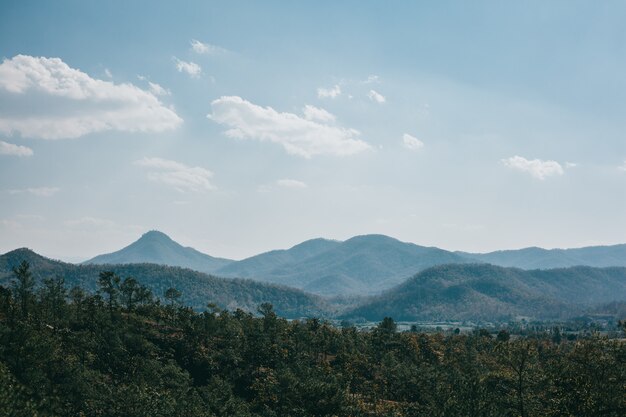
(118, 353)
(492, 293)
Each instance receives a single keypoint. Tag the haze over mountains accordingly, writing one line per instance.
(361, 265)
(538, 258)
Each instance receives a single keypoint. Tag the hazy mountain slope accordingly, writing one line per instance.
(156, 247)
(197, 288)
(262, 264)
(361, 265)
(533, 258)
(482, 291)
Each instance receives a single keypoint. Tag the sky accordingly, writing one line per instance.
(240, 127)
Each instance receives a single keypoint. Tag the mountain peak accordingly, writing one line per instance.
(158, 248)
(155, 235)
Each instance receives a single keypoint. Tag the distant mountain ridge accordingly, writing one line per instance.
(158, 248)
(539, 258)
(361, 265)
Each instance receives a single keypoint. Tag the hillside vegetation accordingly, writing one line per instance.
(488, 292)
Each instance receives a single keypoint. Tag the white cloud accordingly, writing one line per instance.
(315, 113)
(411, 142)
(157, 90)
(177, 175)
(329, 92)
(536, 167)
(623, 167)
(38, 191)
(191, 68)
(377, 97)
(372, 79)
(90, 222)
(289, 183)
(296, 134)
(571, 165)
(17, 150)
(206, 48)
(108, 73)
(283, 183)
(51, 100)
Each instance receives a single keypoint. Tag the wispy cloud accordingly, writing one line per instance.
(88, 221)
(316, 113)
(372, 79)
(286, 183)
(157, 90)
(377, 97)
(37, 191)
(622, 167)
(177, 175)
(290, 183)
(190, 68)
(16, 150)
(333, 92)
(411, 142)
(535, 167)
(58, 101)
(296, 134)
(206, 48)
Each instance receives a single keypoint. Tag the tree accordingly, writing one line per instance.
(130, 292)
(172, 295)
(53, 296)
(503, 336)
(23, 287)
(109, 284)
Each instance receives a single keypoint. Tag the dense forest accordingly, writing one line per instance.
(122, 352)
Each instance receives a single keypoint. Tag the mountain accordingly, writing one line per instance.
(263, 264)
(198, 289)
(157, 248)
(360, 265)
(488, 292)
(535, 258)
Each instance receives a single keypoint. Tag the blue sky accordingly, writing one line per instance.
(239, 127)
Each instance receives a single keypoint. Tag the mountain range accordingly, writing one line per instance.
(362, 265)
(461, 291)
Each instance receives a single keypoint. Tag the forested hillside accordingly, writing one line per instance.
(361, 265)
(488, 292)
(197, 288)
(112, 354)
